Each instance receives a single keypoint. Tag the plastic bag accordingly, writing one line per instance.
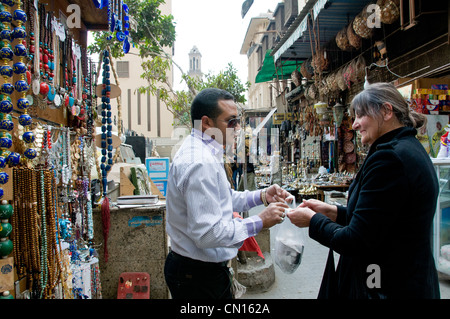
(289, 245)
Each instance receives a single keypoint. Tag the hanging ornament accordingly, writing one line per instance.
(22, 86)
(6, 106)
(106, 140)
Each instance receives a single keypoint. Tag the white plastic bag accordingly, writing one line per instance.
(289, 245)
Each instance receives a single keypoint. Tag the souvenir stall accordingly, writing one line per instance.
(342, 48)
(47, 151)
(336, 49)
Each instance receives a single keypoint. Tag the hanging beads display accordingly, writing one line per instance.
(6, 106)
(118, 21)
(50, 180)
(36, 251)
(106, 141)
(21, 86)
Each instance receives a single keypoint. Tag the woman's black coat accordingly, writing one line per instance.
(384, 236)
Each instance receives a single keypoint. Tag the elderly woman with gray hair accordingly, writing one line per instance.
(384, 234)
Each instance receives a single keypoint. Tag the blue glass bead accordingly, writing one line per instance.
(4, 178)
(6, 35)
(7, 88)
(5, 16)
(120, 36)
(5, 142)
(6, 70)
(13, 159)
(21, 86)
(6, 125)
(30, 153)
(9, 3)
(25, 120)
(23, 103)
(126, 44)
(6, 53)
(125, 8)
(6, 106)
(28, 137)
(20, 50)
(2, 162)
(20, 15)
(118, 25)
(19, 33)
(1, 192)
(19, 68)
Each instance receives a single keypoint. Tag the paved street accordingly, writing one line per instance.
(304, 283)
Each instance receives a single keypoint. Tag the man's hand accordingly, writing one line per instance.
(273, 214)
(276, 194)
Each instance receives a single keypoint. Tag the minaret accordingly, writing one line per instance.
(195, 63)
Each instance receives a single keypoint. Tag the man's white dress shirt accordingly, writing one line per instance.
(200, 203)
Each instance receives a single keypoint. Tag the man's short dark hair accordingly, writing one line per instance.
(207, 103)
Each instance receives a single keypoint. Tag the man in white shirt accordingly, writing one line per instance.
(200, 204)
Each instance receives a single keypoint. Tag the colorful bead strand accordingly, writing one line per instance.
(21, 86)
(6, 106)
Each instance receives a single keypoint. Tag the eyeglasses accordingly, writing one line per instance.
(233, 122)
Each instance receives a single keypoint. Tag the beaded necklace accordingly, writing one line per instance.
(32, 110)
(106, 141)
(44, 270)
(21, 85)
(6, 106)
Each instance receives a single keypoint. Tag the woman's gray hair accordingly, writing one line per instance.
(372, 100)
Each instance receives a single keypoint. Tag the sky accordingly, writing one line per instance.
(217, 29)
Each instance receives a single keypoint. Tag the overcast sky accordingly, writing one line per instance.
(217, 29)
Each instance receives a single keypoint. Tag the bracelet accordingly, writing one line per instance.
(263, 197)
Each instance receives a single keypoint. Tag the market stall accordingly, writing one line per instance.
(48, 149)
(341, 46)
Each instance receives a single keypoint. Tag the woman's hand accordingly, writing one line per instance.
(320, 207)
(300, 216)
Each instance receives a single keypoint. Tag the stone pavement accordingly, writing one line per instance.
(304, 283)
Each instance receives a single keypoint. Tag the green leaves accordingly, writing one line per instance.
(153, 31)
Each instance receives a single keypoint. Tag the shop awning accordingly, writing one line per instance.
(331, 16)
(269, 71)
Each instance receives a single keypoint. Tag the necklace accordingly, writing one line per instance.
(106, 141)
(6, 71)
(21, 85)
